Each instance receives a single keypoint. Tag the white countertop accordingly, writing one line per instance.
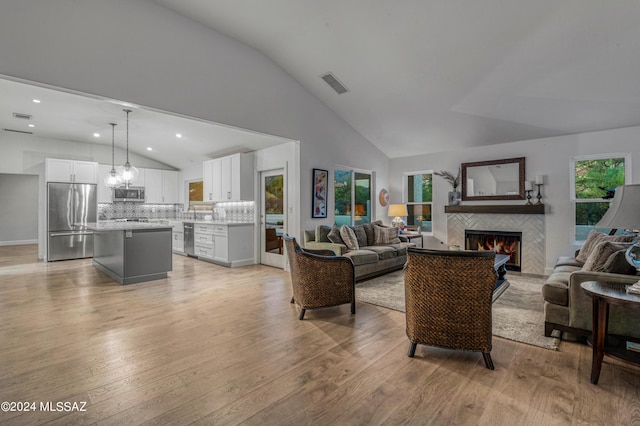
(126, 226)
(210, 222)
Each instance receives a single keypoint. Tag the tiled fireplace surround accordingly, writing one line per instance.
(531, 225)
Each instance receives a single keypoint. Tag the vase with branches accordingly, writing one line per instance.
(454, 196)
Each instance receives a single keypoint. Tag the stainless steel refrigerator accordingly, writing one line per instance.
(70, 206)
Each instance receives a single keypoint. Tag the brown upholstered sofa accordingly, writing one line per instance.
(568, 308)
(370, 258)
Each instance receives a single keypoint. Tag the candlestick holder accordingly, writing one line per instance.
(528, 203)
(539, 197)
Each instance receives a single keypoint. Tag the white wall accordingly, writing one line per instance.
(140, 52)
(549, 157)
(18, 209)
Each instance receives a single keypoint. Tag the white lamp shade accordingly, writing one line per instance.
(624, 212)
(398, 210)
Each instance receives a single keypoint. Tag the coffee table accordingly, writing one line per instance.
(500, 265)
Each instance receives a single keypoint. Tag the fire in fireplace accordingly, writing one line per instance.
(502, 242)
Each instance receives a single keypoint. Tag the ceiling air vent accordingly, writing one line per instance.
(332, 81)
(22, 116)
(18, 131)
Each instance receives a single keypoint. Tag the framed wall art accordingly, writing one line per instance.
(319, 200)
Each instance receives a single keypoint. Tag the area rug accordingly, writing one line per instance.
(517, 315)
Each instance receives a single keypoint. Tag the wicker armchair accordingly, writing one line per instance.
(448, 300)
(319, 278)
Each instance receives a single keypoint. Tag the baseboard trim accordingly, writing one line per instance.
(18, 243)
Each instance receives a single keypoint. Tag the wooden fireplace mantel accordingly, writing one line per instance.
(497, 209)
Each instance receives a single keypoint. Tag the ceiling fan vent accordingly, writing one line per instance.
(18, 131)
(335, 84)
(22, 116)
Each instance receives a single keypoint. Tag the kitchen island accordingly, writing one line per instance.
(132, 252)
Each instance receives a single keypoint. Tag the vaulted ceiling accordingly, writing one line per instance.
(434, 75)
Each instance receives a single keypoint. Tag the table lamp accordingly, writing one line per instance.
(624, 213)
(399, 211)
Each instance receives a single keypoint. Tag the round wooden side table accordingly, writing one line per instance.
(604, 294)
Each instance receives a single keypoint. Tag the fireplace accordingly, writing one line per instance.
(502, 242)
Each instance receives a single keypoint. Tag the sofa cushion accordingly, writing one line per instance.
(401, 248)
(384, 252)
(334, 235)
(600, 254)
(617, 264)
(362, 257)
(321, 233)
(361, 235)
(596, 237)
(556, 289)
(349, 237)
(569, 261)
(566, 268)
(385, 235)
(368, 230)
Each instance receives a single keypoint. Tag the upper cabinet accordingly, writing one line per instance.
(161, 186)
(58, 170)
(229, 178)
(105, 194)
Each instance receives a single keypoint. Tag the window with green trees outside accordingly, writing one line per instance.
(352, 191)
(592, 178)
(419, 199)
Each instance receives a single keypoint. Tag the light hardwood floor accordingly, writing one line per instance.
(213, 345)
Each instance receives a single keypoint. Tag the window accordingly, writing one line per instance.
(352, 190)
(419, 198)
(592, 177)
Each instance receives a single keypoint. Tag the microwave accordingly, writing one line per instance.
(132, 193)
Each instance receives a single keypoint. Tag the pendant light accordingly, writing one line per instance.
(127, 173)
(111, 178)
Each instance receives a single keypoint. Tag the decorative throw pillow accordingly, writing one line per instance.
(334, 235)
(321, 233)
(385, 236)
(617, 264)
(599, 256)
(349, 237)
(596, 237)
(370, 231)
(361, 235)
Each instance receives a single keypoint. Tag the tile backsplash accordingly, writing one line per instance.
(108, 211)
(241, 211)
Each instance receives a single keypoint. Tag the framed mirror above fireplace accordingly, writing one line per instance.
(493, 180)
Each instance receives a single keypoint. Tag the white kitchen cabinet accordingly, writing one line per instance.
(59, 170)
(161, 186)
(153, 186)
(105, 194)
(177, 238)
(229, 245)
(229, 178)
(170, 187)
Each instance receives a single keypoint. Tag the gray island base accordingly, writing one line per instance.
(132, 253)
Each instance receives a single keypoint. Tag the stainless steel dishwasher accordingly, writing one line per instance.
(189, 239)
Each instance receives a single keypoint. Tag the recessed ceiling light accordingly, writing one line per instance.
(178, 135)
(96, 135)
(36, 101)
(149, 148)
(32, 125)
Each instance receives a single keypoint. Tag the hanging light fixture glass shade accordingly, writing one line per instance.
(127, 173)
(111, 179)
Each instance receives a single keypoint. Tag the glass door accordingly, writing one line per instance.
(273, 218)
